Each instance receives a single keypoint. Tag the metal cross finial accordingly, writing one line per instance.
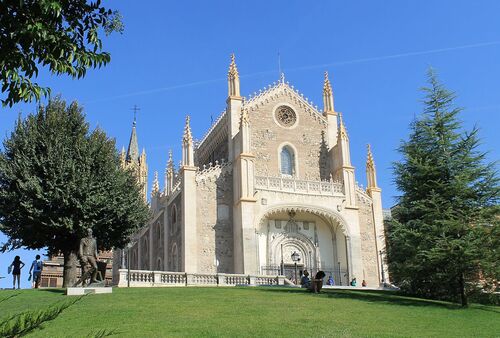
(279, 63)
(135, 109)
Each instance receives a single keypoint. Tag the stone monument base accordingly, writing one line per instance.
(79, 291)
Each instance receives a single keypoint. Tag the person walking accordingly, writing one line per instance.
(36, 268)
(16, 266)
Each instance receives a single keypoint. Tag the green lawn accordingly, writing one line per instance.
(253, 312)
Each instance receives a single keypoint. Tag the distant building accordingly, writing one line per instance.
(271, 177)
(52, 273)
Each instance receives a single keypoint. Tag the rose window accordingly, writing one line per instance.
(286, 116)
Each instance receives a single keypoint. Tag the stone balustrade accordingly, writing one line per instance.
(284, 184)
(144, 278)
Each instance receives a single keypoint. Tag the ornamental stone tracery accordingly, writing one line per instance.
(331, 216)
(285, 116)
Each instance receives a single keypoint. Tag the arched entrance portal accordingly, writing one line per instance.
(318, 236)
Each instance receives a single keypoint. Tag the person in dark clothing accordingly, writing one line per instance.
(16, 265)
(317, 283)
(305, 282)
(36, 269)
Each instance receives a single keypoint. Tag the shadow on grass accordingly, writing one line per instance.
(8, 297)
(22, 323)
(371, 296)
(58, 291)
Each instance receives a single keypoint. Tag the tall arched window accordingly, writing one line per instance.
(159, 239)
(173, 220)
(287, 161)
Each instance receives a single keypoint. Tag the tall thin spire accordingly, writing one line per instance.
(170, 162)
(328, 106)
(133, 146)
(371, 173)
(169, 174)
(233, 79)
(342, 133)
(187, 145)
(188, 136)
(156, 185)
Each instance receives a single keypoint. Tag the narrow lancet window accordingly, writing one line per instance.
(287, 161)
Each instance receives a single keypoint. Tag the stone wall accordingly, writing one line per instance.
(306, 137)
(145, 247)
(214, 214)
(174, 235)
(368, 244)
(157, 244)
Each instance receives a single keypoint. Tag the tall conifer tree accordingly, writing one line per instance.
(57, 179)
(444, 239)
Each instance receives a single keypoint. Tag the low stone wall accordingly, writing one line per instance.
(144, 278)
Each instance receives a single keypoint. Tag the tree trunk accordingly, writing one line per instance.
(70, 268)
(463, 296)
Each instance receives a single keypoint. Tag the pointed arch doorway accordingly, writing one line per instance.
(319, 236)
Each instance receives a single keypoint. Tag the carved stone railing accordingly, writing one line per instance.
(143, 278)
(213, 170)
(283, 184)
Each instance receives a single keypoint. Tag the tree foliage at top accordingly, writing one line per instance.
(57, 179)
(444, 240)
(61, 35)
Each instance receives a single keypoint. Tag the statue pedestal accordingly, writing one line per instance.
(79, 291)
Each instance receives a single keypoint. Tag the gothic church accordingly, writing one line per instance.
(272, 177)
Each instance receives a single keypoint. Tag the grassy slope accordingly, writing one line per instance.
(160, 312)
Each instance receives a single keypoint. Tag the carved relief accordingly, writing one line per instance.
(368, 245)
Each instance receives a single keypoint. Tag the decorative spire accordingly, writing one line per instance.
(122, 157)
(371, 173)
(133, 146)
(327, 96)
(170, 163)
(369, 159)
(188, 136)
(187, 145)
(233, 79)
(342, 133)
(156, 185)
(169, 174)
(282, 77)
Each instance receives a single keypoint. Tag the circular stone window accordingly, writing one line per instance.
(285, 116)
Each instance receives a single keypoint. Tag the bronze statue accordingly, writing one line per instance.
(87, 254)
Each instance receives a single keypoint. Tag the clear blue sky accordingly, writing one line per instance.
(173, 56)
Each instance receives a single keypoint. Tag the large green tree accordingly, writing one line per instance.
(61, 35)
(57, 179)
(444, 239)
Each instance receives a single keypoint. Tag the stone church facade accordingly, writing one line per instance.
(271, 177)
